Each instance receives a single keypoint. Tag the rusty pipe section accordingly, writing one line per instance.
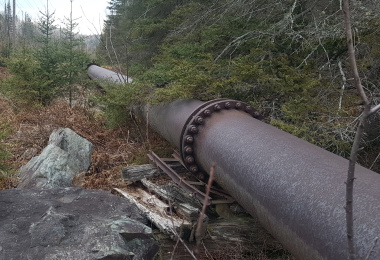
(295, 189)
(96, 72)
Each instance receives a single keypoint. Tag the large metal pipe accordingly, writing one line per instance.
(295, 189)
(96, 72)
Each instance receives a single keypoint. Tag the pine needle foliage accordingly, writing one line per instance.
(28, 86)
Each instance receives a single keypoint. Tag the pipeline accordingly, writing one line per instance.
(96, 72)
(294, 188)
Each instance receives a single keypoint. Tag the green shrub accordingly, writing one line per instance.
(118, 99)
(27, 86)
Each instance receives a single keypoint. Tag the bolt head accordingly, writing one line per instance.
(227, 105)
(207, 112)
(201, 176)
(189, 159)
(217, 107)
(193, 129)
(189, 150)
(193, 168)
(199, 120)
(189, 139)
(238, 105)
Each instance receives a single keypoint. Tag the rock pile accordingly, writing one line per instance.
(45, 218)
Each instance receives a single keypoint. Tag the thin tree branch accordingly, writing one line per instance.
(374, 109)
(184, 244)
(370, 251)
(344, 79)
(377, 157)
(351, 52)
(205, 203)
(237, 39)
(359, 134)
(350, 183)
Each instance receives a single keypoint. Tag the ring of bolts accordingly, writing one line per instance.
(197, 118)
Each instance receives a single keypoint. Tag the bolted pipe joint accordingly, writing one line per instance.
(294, 188)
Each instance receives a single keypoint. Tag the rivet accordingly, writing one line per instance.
(193, 129)
(248, 108)
(207, 112)
(189, 139)
(199, 120)
(193, 168)
(189, 159)
(189, 149)
(217, 107)
(238, 105)
(256, 114)
(201, 176)
(227, 105)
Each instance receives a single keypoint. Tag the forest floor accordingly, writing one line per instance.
(113, 148)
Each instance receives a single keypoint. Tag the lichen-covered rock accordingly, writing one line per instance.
(71, 223)
(66, 155)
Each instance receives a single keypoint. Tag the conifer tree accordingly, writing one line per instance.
(46, 53)
(72, 54)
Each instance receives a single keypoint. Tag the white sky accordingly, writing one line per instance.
(90, 13)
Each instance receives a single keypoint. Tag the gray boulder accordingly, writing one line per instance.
(66, 155)
(71, 223)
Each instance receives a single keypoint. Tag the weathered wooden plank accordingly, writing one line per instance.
(171, 192)
(156, 212)
(138, 172)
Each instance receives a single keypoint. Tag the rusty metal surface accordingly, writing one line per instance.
(169, 119)
(296, 189)
(96, 72)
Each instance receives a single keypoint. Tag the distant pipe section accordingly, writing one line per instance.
(96, 72)
(295, 189)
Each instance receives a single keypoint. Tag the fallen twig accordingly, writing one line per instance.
(202, 215)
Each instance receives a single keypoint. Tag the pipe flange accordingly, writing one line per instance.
(197, 118)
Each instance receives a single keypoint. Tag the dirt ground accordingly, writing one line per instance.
(113, 148)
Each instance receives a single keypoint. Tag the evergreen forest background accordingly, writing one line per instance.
(288, 59)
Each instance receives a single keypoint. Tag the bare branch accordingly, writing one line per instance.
(121, 78)
(351, 52)
(358, 136)
(370, 251)
(377, 157)
(184, 244)
(374, 109)
(308, 56)
(233, 42)
(205, 203)
(350, 183)
(291, 13)
(344, 79)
